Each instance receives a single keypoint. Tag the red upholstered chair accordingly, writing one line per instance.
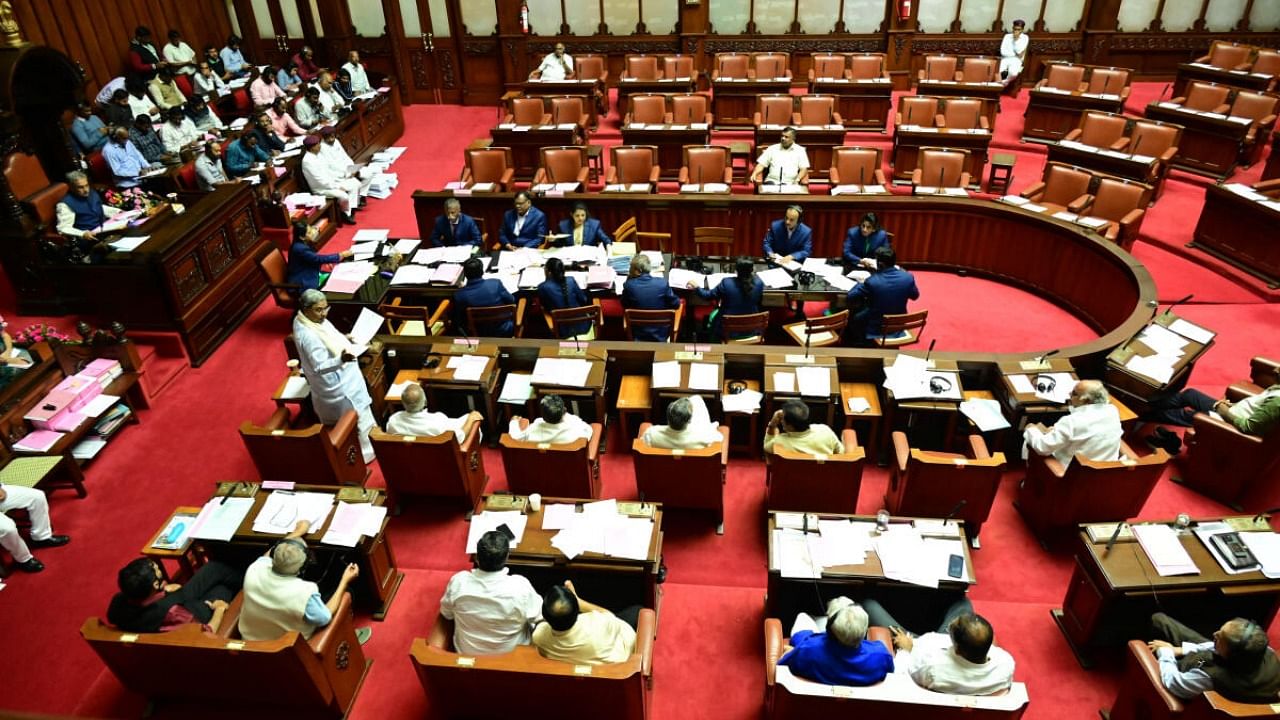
(691, 108)
(915, 110)
(818, 110)
(683, 478)
(319, 454)
(99, 170)
(979, 69)
(1109, 81)
(1101, 130)
(731, 65)
(1261, 109)
(706, 163)
(1054, 500)
(865, 66)
(827, 66)
(1227, 55)
(771, 66)
(567, 470)
(275, 268)
(619, 691)
(1063, 76)
(243, 103)
(774, 110)
(896, 697)
(489, 165)
(183, 82)
(941, 167)
(30, 184)
(526, 111)
(806, 483)
(1143, 696)
(963, 114)
(856, 166)
(1226, 464)
(1064, 187)
(646, 109)
(1124, 203)
(591, 67)
(640, 67)
(677, 67)
(569, 109)
(631, 164)
(931, 484)
(564, 164)
(186, 177)
(436, 466)
(288, 676)
(939, 67)
(1267, 62)
(1205, 96)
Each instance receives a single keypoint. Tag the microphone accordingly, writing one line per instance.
(1137, 143)
(555, 114)
(929, 351)
(1266, 514)
(1165, 90)
(942, 177)
(1046, 356)
(808, 331)
(862, 176)
(699, 178)
(1176, 303)
(1112, 542)
(951, 515)
(910, 109)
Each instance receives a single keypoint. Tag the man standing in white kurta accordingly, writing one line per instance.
(1013, 52)
(330, 368)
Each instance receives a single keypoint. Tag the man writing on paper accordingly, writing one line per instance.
(415, 420)
(1236, 662)
(688, 427)
(491, 609)
(786, 162)
(556, 426)
(788, 240)
(790, 429)
(330, 368)
(1091, 429)
(81, 211)
(841, 655)
(277, 600)
(576, 631)
(958, 658)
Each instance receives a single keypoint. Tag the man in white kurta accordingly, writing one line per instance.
(415, 419)
(336, 155)
(783, 163)
(324, 179)
(688, 427)
(556, 66)
(556, 426)
(330, 368)
(1091, 430)
(15, 497)
(359, 78)
(1013, 52)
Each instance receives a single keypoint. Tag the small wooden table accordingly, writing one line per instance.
(1001, 172)
(868, 392)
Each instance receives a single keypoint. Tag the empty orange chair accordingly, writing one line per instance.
(526, 111)
(1158, 140)
(866, 66)
(771, 66)
(774, 110)
(828, 67)
(1259, 108)
(633, 164)
(939, 67)
(706, 164)
(489, 165)
(691, 108)
(1063, 187)
(640, 67)
(914, 110)
(677, 67)
(569, 109)
(1267, 62)
(818, 110)
(563, 164)
(731, 66)
(940, 167)
(591, 67)
(1227, 55)
(931, 484)
(979, 70)
(963, 114)
(1109, 81)
(646, 110)
(856, 166)
(1206, 97)
(318, 454)
(1124, 203)
(1065, 77)
(807, 483)
(1101, 130)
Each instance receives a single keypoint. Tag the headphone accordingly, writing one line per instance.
(1045, 384)
(939, 384)
(310, 557)
(736, 387)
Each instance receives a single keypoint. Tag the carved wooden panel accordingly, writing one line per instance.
(421, 75)
(605, 46)
(448, 76)
(245, 232)
(188, 277)
(795, 45)
(217, 252)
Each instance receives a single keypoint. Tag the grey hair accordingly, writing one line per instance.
(452, 203)
(309, 299)
(1093, 392)
(847, 622)
(413, 398)
(640, 265)
(76, 176)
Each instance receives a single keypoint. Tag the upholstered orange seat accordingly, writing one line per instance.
(489, 165)
(1259, 108)
(979, 69)
(964, 114)
(683, 478)
(30, 184)
(1124, 203)
(931, 484)
(568, 470)
(774, 110)
(640, 67)
(1064, 76)
(856, 166)
(1227, 55)
(1109, 81)
(591, 67)
(865, 66)
(1143, 696)
(941, 167)
(1101, 130)
(631, 164)
(526, 111)
(675, 67)
(564, 164)
(1063, 187)
(1267, 62)
(1205, 96)
(274, 268)
(827, 67)
(818, 110)
(436, 466)
(318, 454)
(646, 109)
(771, 66)
(914, 110)
(706, 164)
(807, 483)
(691, 108)
(1158, 140)
(731, 65)
(569, 109)
(939, 67)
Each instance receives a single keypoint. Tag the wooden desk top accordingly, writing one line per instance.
(1023, 399)
(716, 360)
(597, 358)
(536, 548)
(245, 534)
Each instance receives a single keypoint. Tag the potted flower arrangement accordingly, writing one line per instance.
(133, 198)
(37, 333)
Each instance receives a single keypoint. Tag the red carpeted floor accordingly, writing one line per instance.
(708, 657)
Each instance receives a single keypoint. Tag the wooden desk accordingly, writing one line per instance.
(988, 91)
(1051, 114)
(819, 141)
(1272, 168)
(670, 141)
(908, 141)
(1210, 145)
(372, 125)
(186, 556)
(1259, 82)
(734, 101)
(947, 408)
(590, 393)
(822, 408)
(1232, 227)
(443, 389)
(1135, 389)
(1113, 594)
(526, 145)
(1142, 168)
(920, 606)
(862, 104)
(1022, 407)
(661, 86)
(605, 580)
(587, 89)
(660, 397)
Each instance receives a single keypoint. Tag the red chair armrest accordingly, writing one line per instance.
(901, 450)
(646, 632)
(1150, 666)
(593, 447)
(1079, 204)
(773, 645)
(978, 447)
(342, 429)
(333, 632)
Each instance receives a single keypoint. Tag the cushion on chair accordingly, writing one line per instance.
(1064, 77)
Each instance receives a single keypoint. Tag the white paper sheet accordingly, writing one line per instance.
(984, 413)
(814, 381)
(571, 372)
(796, 552)
(468, 368)
(517, 389)
(776, 278)
(666, 374)
(220, 518)
(557, 516)
(704, 376)
(367, 234)
(99, 405)
(1165, 550)
(367, 324)
(284, 508)
(784, 381)
(747, 401)
(1191, 331)
(487, 520)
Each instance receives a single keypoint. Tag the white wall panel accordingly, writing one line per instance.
(773, 17)
(1179, 16)
(1265, 16)
(935, 16)
(262, 14)
(622, 15)
(729, 17)
(481, 17)
(661, 16)
(863, 16)
(818, 17)
(315, 15)
(1024, 10)
(1062, 16)
(1136, 15)
(583, 17)
(976, 16)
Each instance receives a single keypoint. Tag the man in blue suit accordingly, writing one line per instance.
(861, 242)
(884, 293)
(643, 291)
(479, 293)
(525, 226)
(788, 238)
(455, 228)
(304, 262)
(582, 229)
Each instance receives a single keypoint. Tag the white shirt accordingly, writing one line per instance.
(784, 164)
(141, 106)
(336, 385)
(933, 665)
(306, 115)
(180, 54)
(359, 78)
(337, 157)
(492, 612)
(426, 424)
(209, 172)
(319, 172)
(176, 138)
(551, 69)
(330, 99)
(66, 218)
(1090, 430)
(205, 85)
(1011, 52)
(698, 434)
(570, 428)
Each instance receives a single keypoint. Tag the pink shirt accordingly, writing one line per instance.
(284, 124)
(263, 93)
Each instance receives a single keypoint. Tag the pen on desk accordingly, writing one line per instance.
(230, 489)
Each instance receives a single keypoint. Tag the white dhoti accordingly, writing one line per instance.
(37, 507)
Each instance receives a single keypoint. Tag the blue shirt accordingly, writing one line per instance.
(232, 60)
(148, 143)
(241, 157)
(858, 246)
(466, 232)
(126, 163)
(304, 264)
(88, 133)
(483, 292)
(316, 612)
(646, 292)
(284, 79)
(733, 301)
(592, 234)
(818, 657)
(799, 246)
(531, 233)
(554, 297)
(886, 293)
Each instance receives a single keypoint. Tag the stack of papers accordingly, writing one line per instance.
(221, 517)
(412, 275)
(910, 377)
(571, 372)
(468, 368)
(517, 389)
(814, 381)
(450, 254)
(775, 278)
(599, 529)
(704, 376)
(746, 402)
(353, 520)
(1165, 550)
(985, 414)
(483, 522)
(284, 508)
(1191, 331)
(906, 557)
(128, 244)
(666, 374)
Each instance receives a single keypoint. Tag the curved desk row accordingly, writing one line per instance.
(1071, 266)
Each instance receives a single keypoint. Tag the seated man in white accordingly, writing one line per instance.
(556, 426)
(1092, 428)
(491, 609)
(13, 497)
(277, 600)
(574, 630)
(414, 419)
(688, 427)
(958, 658)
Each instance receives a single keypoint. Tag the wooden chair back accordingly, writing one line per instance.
(902, 329)
(713, 240)
(568, 470)
(979, 69)
(642, 67)
(1064, 76)
(667, 321)
(745, 329)
(821, 331)
(565, 320)
(412, 320)
(931, 484)
(319, 454)
(806, 483)
(483, 321)
(682, 478)
(436, 466)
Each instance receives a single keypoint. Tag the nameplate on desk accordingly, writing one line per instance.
(517, 503)
(635, 509)
(1033, 365)
(277, 485)
(355, 495)
(1248, 523)
(1102, 532)
(465, 343)
(581, 669)
(241, 489)
(234, 645)
(688, 355)
(466, 662)
(800, 359)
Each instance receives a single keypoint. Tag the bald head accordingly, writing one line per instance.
(1089, 392)
(413, 398)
